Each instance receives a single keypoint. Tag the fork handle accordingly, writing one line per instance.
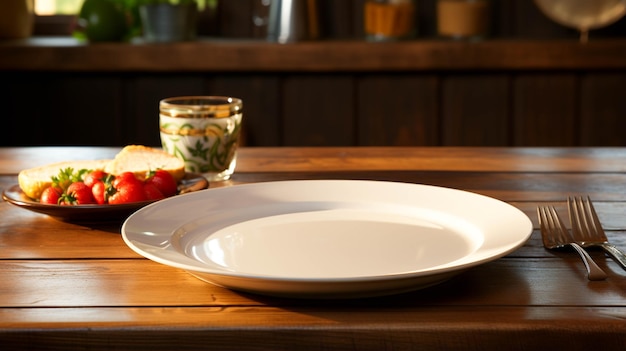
(614, 252)
(593, 271)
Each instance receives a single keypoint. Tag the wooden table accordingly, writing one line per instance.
(68, 286)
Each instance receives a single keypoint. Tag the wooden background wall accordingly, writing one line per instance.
(482, 107)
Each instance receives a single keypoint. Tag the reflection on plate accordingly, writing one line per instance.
(94, 213)
(326, 238)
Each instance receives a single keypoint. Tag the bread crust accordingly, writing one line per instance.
(34, 181)
(141, 159)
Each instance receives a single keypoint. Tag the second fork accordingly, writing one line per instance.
(555, 236)
(587, 230)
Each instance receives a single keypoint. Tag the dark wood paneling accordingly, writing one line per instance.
(62, 109)
(318, 110)
(235, 18)
(603, 109)
(90, 107)
(522, 19)
(261, 119)
(143, 93)
(340, 19)
(332, 92)
(545, 107)
(444, 108)
(475, 110)
(24, 118)
(398, 110)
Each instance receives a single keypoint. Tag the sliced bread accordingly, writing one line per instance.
(141, 159)
(34, 181)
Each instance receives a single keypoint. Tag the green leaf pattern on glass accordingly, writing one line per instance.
(211, 152)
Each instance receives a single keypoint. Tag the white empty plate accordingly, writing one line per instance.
(326, 238)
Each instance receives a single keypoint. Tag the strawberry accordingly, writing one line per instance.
(163, 181)
(152, 192)
(99, 190)
(94, 176)
(77, 193)
(127, 189)
(50, 195)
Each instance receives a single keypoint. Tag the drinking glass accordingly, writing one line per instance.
(204, 132)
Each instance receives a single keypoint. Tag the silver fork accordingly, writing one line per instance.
(587, 230)
(556, 236)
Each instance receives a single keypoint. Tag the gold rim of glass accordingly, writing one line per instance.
(200, 106)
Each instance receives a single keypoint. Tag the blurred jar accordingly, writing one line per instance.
(463, 19)
(389, 19)
(16, 19)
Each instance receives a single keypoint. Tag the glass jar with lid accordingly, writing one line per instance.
(463, 19)
(386, 20)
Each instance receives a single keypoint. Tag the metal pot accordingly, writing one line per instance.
(293, 20)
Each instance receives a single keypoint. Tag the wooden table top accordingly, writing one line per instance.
(69, 286)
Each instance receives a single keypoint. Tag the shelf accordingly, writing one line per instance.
(64, 54)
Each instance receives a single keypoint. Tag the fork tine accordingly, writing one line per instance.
(573, 217)
(577, 218)
(543, 219)
(583, 215)
(595, 227)
(549, 220)
(541, 214)
(561, 230)
(547, 228)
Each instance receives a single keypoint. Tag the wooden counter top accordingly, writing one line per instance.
(72, 286)
(206, 54)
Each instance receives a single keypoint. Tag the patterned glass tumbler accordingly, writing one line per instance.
(203, 131)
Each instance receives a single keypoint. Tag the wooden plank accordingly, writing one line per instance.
(545, 110)
(603, 108)
(398, 110)
(364, 159)
(529, 187)
(134, 283)
(57, 239)
(211, 55)
(317, 110)
(457, 159)
(475, 110)
(332, 327)
(323, 314)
